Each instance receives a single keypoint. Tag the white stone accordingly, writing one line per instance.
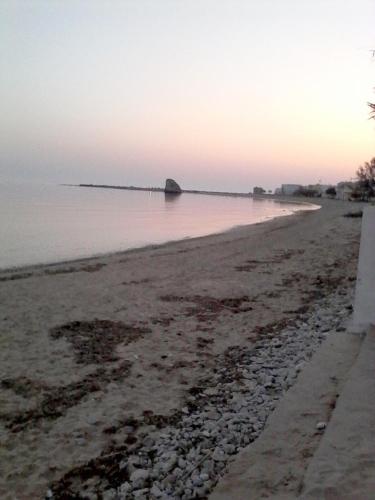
(124, 488)
(141, 494)
(139, 477)
(110, 494)
(211, 391)
(155, 491)
(218, 455)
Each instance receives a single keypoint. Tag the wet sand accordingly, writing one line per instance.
(167, 313)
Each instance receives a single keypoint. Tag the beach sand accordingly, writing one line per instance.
(167, 312)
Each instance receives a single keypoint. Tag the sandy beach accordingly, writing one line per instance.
(100, 354)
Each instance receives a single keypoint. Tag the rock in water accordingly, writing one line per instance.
(171, 186)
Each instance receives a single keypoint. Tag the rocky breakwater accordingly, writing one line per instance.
(171, 187)
(185, 457)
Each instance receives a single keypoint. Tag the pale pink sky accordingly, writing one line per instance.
(220, 94)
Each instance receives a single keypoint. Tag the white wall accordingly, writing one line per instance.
(364, 305)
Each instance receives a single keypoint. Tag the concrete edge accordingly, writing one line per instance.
(344, 464)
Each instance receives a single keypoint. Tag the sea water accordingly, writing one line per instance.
(45, 224)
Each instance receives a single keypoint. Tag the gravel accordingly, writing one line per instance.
(186, 460)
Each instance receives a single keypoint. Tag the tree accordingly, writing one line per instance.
(366, 178)
(331, 191)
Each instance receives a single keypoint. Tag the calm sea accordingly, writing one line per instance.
(44, 224)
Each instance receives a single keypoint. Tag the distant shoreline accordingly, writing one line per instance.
(161, 190)
(273, 197)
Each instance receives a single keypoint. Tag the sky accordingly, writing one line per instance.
(218, 94)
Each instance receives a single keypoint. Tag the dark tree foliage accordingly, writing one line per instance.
(366, 178)
(331, 191)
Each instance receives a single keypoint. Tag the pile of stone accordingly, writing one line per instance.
(185, 460)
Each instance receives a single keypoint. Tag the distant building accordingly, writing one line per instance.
(320, 189)
(290, 189)
(278, 191)
(344, 190)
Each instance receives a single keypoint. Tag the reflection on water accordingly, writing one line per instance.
(51, 223)
(171, 197)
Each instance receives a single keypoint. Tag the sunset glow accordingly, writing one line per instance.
(221, 94)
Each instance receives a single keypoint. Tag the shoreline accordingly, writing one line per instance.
(173, 316)
(278, 198)
(162, 190)
(152, 246)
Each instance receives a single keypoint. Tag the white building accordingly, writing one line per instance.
(344, 190)
(290, 189)
(320, 189)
